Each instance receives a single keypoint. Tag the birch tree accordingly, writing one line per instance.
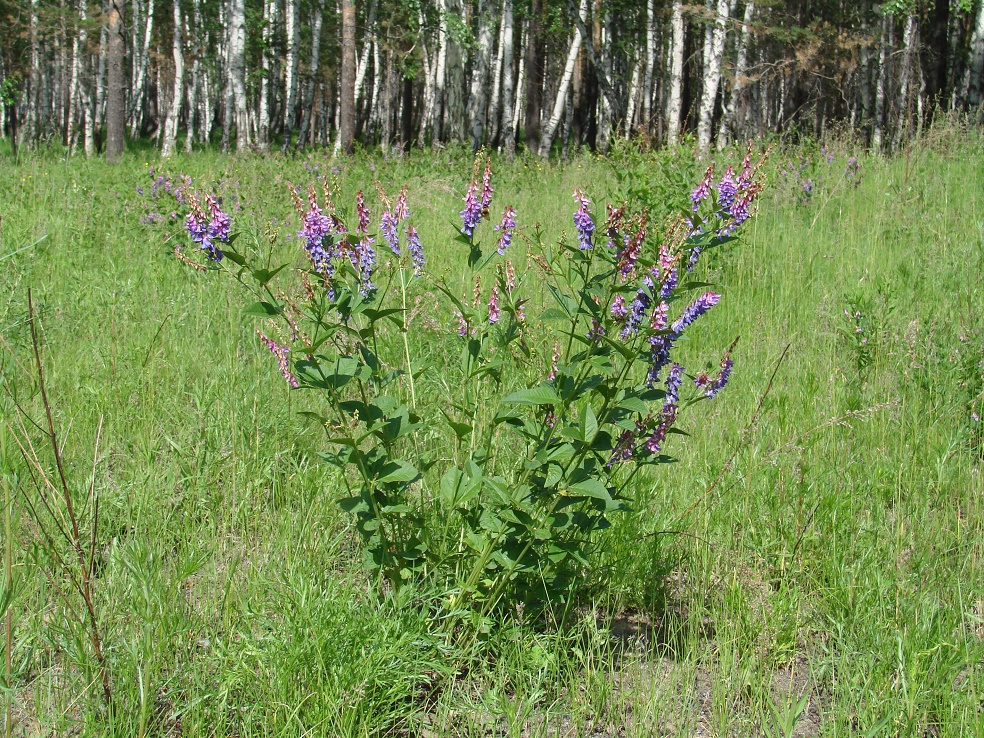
(174, 113)
(550, 129)
(675, 103)
(713, 52)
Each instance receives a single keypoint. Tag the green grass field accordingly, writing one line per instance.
(811, 566)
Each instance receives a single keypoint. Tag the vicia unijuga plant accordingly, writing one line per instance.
(500, 489)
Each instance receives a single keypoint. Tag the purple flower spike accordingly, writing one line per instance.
(697, 308)
(619, 311)
(416, 250)
(472, 212)
(401, 212)
(506, 228)
(673, 382)
(582, 220)
(703, 189)
(281, 353)
(363, 211)
(494, 305)
(206, 232)
(623, 449)
(315, 227)
(637, 309)
(727, 189)
(388, 228)
(487, 187)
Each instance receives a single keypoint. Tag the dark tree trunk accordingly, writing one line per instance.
(534, 78)
(936, 87)
(115, 113)
(346, 131)
(406, 123)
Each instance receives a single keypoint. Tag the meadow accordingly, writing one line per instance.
(811, 565)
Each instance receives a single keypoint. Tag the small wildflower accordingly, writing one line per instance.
(487, 187)
(401, 212)
(477, 291)
(416, 250)
(510, 276)
(388, 226)
(582, 220)
(506, 228)
(614, 224)
(494, 313)
(623, 449)
(702, 190)
(619, 311)
(363, 211)
(693, 311)
(281, 353)
(473, 210)
(553, 362)
(462, 324)
(727, 188)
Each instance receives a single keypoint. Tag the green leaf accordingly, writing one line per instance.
(398, 471)
(263, 276)
(589, 425)
(554, 314)
(543, 394)
(262, 309)
(461, 430)
(590, 488)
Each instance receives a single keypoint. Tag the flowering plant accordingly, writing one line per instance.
(497, 490)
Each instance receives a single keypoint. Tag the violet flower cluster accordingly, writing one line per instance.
(206, 229)
(582, 220)
(506, 228)
(281, 353)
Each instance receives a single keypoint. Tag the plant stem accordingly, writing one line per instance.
(406, 346)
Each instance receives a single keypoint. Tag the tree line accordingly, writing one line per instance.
(547, 75)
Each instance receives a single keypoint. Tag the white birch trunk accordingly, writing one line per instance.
(647, 89)
(237, 72)
(675, 102)
(908, 44)
(269, 22)
(307, 106)
(427, 114)
(878, 132)
(713, 52)
(171, 123)
(142, 62)
(604, 104)
(975, 67)
(363, 63)
(377, 80)
(520, 105)
(478, 96)
(292, 31)
(508, 128)
(74, 103)
(441, 71)
(494, 117)
(550, 129)
(729, 122)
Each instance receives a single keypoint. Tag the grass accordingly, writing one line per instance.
(829, 583)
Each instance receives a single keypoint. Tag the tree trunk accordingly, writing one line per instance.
(550, 129)
(141, 64)
(307, 106)
(647, 85)
(508, 131)
(736, 104)
(493, 115)
(534, 77)
(713, 52)
(478, 97)
(936, 79)
(269, 23)
(430, 69)
(346, 134)
(237, 73)
(456, 119)
(909, 40)
(883, 42)
(440, 72)
(975, 68)
(292, 32)
(171, 123)
(674, 107)
(115, 113)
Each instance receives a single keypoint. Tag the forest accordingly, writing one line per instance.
(544, 75)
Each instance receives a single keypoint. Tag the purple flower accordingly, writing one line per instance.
(366, 264)
(553, 362)
(206, 232)
(506, 228)
(472, 212)
(702, 190)
(494, 313)
(668, 285)
(623, 449)
(582, 220)
(281, 353)
(487, 186)
(727, 189)
(315, 226)
(401, 212)
(637, 309)
(388, 228)
(693, 311)
(363, 211)
(694, 256)
(721, 379)
(619, 311)
(462, 324)
(415, 249)
(140, 190)
(660, 346)
(673, 382)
